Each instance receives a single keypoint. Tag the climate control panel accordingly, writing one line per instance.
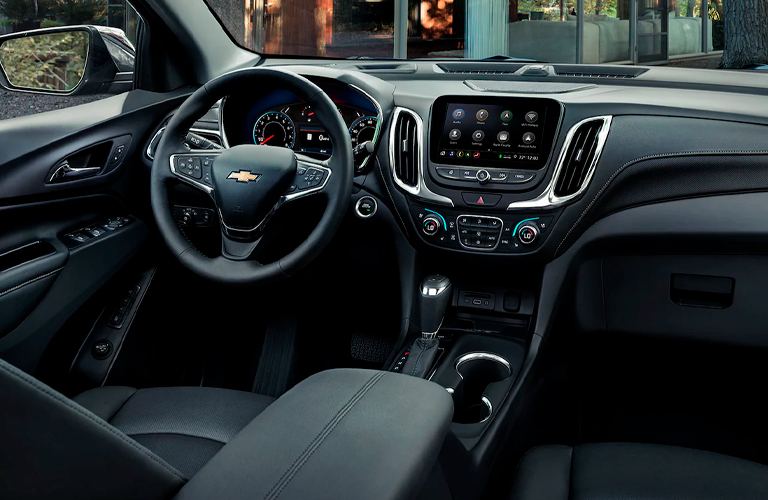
(498, 233)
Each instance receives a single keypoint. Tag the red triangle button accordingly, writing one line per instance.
(480, 201)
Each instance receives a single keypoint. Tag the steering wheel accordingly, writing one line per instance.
(249, 183)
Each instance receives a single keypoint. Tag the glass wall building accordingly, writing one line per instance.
(556, 31)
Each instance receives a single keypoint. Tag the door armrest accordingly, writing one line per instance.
(338, 434)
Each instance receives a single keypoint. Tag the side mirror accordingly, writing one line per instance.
(75, 60)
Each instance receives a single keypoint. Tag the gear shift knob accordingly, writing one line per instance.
(435, 296)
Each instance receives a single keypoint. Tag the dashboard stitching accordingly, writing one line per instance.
(394, 205)
(638, 160)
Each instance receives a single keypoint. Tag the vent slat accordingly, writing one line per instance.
(406, 144)
(578, 158)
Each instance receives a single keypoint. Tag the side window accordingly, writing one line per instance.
(60, 53)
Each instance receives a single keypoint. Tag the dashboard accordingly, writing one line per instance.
(281, 119)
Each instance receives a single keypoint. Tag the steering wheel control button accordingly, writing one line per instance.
(366, 207)
(528, 138)
(528, 233)
(481, 199)
(312, 177)
(483, 176)
(519, 177)
(101, 349)
(454, 134)
(190, 166)
(431, 225)
(531, 117)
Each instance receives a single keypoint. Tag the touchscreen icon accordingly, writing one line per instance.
(478, 135)
(482, 115)
(506, 115)
(454, 134)
(528, 138)
(502, 136)
(476, 155)
(460, 154)
(531, 117)
(458, 114)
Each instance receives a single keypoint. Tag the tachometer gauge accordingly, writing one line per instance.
(362, 130)
(274, 128)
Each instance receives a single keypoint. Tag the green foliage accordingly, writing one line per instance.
(52, 61)
(48, 23)
(19, 11)
(72, 12)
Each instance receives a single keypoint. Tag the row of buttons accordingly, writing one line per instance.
(195, 167)
(470, 174)
(84, 234)
(307, 179)
(400, 362)
(479, 232)
(118, 314)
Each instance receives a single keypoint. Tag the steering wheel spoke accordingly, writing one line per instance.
(311, 178)
(194, 168)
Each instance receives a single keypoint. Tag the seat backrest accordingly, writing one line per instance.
(53, 448)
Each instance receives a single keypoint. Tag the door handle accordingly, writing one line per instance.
(65, 172)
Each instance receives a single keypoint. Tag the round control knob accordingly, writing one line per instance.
(483, 176)
(528, 234)
(431, 225)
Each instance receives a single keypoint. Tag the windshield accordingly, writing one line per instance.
(689, 33)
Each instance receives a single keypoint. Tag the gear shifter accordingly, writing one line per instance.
(435, 293)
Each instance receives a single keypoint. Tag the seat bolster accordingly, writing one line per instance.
(544, 473)
(105, 401)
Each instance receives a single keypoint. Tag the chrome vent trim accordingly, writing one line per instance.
(419, 189)
(548, 199)
(597, 75)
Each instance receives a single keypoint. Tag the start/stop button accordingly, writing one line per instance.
(366, 207)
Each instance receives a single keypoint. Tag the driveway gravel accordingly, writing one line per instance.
(13, 104)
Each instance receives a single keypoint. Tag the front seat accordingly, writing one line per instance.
(629, 471)
(134, 444)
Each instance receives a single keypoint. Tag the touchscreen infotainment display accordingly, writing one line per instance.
(493, 132)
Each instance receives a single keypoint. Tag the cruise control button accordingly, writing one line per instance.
(448, 173)
(481, 199)
(518, 177)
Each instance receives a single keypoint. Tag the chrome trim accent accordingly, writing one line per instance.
(302, 194)
(194, 182)
(379, 121)
(490, 409)
(501, 230)
(449, 390)
(474, 356)
(76, 170)
(199, 131)
(547, 199)
(421, 190)
(375, 207)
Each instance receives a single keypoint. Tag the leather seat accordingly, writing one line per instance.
(630, 471)
(186, 426)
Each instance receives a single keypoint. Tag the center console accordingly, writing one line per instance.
(485, 155)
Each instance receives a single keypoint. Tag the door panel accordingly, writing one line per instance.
(46, 273)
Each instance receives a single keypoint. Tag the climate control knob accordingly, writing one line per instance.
(430, 225)
(528, 234)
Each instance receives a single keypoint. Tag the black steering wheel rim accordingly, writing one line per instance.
(336, 189)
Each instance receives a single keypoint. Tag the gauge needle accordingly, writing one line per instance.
(265, 140)
(312, 113)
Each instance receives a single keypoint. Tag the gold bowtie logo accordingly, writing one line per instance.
(243, 176)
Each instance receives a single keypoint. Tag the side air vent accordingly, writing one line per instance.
(581, 152)
(406, 150)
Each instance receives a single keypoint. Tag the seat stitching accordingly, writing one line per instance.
(87, 414)
(176, 434)
(641, 159)
(13, 289)
(123, 405)
(305, 455)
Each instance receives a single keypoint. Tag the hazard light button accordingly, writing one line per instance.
(481, 199)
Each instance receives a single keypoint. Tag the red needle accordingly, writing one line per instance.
(312, 113)
(265, 140)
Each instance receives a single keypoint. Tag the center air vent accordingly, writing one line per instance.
(581, 152)
(405, 146)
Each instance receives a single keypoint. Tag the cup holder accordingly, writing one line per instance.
(477, 370)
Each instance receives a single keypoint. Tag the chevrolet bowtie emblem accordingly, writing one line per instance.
(243, 176)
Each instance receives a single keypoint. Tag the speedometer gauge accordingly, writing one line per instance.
(274, 128)
(363, 129)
